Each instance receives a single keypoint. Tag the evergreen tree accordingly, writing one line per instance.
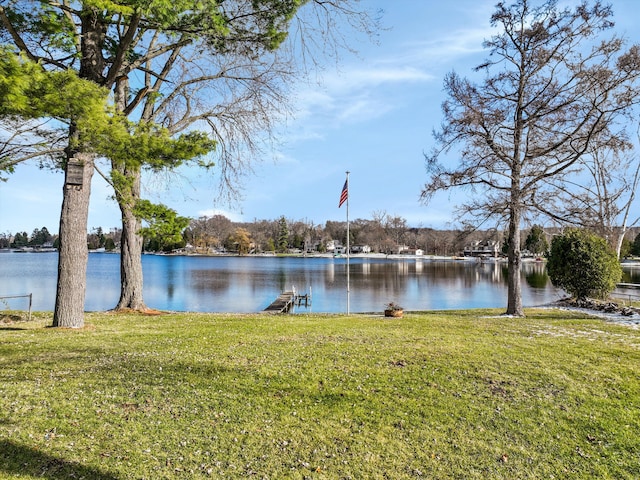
(109, 244)
(536, 241)
(283, 235)
(164, 227)
(583, 264)
(21, 239)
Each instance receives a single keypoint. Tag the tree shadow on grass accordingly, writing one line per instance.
(18, 459)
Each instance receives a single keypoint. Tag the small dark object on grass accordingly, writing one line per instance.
(392, 309)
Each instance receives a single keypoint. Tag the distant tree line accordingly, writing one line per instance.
(383, 233)
(41, 237)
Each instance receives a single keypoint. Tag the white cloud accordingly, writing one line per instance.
(367, 78)
(363, 110)
(309, 98)
(351, 97)
(360, 92)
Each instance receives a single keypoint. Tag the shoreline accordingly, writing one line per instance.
(379, 256)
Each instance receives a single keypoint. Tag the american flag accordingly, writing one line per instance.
(345, 193)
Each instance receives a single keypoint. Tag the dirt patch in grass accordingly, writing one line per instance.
(9, 318)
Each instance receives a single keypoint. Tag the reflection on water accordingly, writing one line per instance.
(631, 273)
(249, 284)
(536, 277)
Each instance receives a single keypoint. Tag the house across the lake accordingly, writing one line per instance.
(411, 251)
(489, 248)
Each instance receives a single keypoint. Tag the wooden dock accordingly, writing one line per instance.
(282, 304)
(286, 300)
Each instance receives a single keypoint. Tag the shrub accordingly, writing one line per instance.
(583, 265)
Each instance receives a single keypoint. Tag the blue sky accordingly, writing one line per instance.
(372, 116)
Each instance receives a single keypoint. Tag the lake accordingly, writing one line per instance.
(250, 284)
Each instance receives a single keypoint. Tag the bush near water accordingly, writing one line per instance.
(583, 264)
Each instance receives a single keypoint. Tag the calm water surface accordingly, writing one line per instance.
(249, 284)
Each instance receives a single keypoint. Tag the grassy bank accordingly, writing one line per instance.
(433, 395)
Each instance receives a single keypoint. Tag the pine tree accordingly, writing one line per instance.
(283, 235)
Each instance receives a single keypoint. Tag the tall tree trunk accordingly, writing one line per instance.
(73, 252)
(128, 194)
(514, 286)
(131, 278)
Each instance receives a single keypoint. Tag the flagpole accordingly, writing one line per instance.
(348, 246)
(344, 197)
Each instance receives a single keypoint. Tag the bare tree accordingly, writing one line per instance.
(22, 140)
(552, 91)
(602, 202)
(210, 232)
(376, 230)
(396, 228)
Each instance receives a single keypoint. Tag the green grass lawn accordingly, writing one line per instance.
(433, 395)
